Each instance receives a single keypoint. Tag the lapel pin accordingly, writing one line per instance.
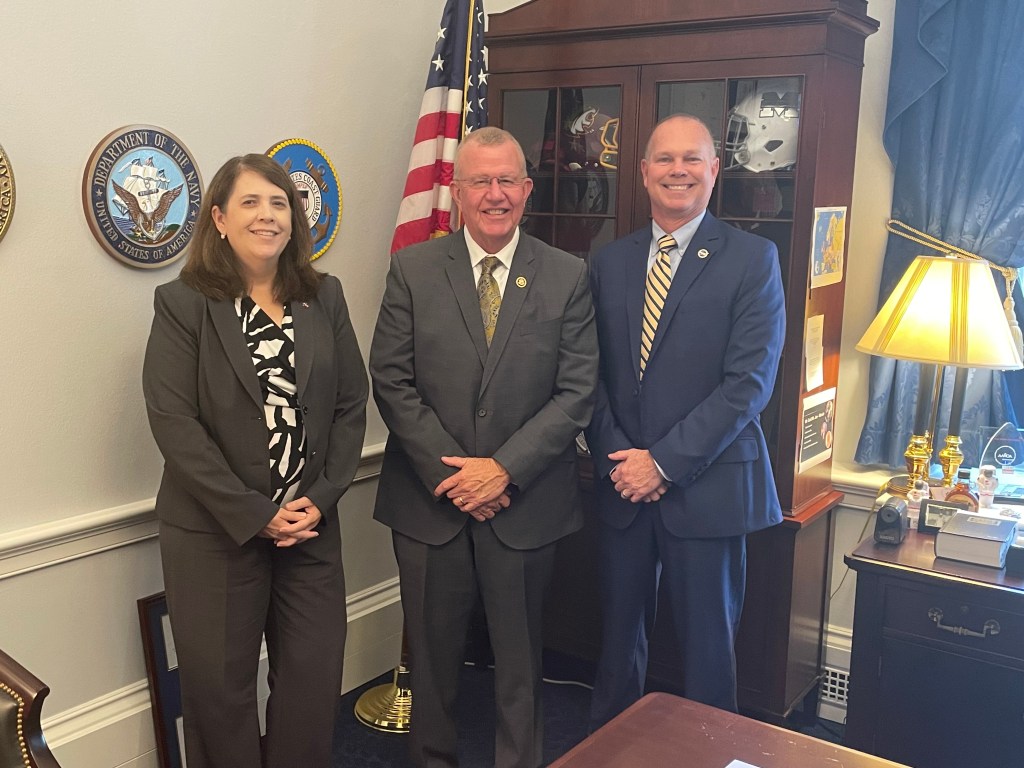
(521, 281)
(703, 253)
(305, 305)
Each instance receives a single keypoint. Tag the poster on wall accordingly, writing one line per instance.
(6, 193)
(317, 182)
(828, 246)
(141, 193)
(817, 428)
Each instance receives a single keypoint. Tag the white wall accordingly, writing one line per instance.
(226, 77)
(872, 202)
(79, 466)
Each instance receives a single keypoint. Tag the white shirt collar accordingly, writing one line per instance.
(477, 254)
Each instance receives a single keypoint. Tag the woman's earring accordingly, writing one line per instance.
(223, 236)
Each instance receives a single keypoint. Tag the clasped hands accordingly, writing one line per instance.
(636, 476)
(293, 523)
(478, 488)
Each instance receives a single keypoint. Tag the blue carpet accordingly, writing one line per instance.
(566, 711)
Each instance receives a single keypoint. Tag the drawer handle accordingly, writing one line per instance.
(991, 627)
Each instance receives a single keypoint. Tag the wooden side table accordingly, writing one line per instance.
(937, 671)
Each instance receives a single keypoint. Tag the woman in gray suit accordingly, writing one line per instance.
(256, 394)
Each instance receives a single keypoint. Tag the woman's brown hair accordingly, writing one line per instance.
(211, 267)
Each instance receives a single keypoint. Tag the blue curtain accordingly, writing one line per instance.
(954, 130)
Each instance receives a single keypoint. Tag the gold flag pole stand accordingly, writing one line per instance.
(388, 707)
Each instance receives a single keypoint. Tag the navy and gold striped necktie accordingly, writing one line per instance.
(659, 279)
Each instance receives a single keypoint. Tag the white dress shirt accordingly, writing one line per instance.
(477, 255)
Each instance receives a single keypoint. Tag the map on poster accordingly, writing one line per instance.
(828, 246)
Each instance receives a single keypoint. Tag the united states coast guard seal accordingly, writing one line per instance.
(317, 181)
(141, 194)
(6, 193)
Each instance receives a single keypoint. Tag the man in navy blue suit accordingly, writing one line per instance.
(691, 323)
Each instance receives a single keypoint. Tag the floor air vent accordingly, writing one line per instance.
(834, 684)
(832, 695)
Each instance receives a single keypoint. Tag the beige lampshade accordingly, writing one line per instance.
(944, 310)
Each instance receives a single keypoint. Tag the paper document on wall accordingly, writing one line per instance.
(813, 352)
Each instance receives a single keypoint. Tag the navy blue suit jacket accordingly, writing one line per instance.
(710, 374)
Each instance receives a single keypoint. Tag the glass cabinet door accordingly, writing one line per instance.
(755, 124)
(758, 175)
(570, 136)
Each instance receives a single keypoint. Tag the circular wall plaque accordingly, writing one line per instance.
(317, 182)
(141, 194)
(6, 193)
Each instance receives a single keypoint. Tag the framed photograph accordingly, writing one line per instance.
(164, 686)
(935, 514)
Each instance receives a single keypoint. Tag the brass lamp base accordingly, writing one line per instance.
(899, 485)
(950, 457)
(917, 456)
(387, 707)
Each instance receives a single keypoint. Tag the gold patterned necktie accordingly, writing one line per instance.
(489, 295)
(659, 279)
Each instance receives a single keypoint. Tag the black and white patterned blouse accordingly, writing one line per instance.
(272, 348)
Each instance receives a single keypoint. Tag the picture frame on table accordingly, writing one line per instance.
(935, 514)
(164, 685)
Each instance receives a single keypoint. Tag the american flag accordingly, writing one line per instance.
(454, 104)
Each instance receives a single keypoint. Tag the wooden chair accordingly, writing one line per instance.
(21, 701)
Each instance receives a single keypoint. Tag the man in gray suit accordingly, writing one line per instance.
(484, 363)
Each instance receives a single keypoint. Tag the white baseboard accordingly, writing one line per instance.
(374, 642)
(108, 731)
(838, 646)
(116, 730)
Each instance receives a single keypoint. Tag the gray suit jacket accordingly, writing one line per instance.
(442, 392)
(206, 410)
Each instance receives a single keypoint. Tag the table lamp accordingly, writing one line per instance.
(944, 311)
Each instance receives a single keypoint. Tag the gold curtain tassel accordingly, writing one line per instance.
(1015, 332)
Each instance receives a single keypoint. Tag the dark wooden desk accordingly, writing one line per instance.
(937, 670)
(666, 730)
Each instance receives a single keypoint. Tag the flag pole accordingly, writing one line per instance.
(388, 707)
(456, 216)
(468, 74)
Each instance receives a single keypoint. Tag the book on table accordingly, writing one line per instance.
(975, 539)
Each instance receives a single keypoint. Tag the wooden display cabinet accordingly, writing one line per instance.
(581, 85)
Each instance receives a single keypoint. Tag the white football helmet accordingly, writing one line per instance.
(763, 127)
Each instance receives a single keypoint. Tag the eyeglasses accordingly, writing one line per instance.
(479, 184)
